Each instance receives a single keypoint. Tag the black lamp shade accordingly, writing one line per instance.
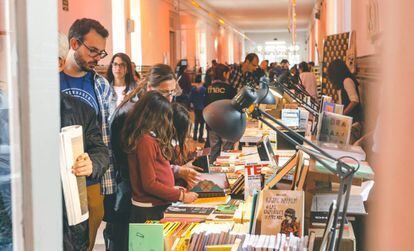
(225, 120)
(265, 96)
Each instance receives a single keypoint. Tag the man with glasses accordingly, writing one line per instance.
(87, 41)
(242, 74)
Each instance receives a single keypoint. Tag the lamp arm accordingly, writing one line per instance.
(317, 153)
(344, 190)
(312, 108)
(270, 117)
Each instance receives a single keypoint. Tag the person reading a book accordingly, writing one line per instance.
(347, 85)
(147, 138)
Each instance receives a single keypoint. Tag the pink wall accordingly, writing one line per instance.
(334, 18)
(100, 10)
(359, 24)
(392, 227)
(188, 38)
(223, 53)
(155, 28)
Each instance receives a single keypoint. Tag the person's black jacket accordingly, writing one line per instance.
(120, 159)
(76, 112)
(219, 90)
(116, 124)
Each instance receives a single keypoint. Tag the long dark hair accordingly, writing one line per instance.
(182, 122)
(303, 66)
(152, 113)
(129, 77)
(181, 67)
(338, 71)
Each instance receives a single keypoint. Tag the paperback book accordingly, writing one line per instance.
(211, 185)
(74, 188)
(334, 128)
(281, 211)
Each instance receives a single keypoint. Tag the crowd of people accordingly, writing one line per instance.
(136, 129)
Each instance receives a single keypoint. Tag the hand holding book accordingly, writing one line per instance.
(187, 197)
(189, 174)
(82, 166)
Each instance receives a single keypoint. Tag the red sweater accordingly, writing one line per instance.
(151, 176)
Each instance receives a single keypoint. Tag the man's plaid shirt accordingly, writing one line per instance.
(103, 94)
(237, 79)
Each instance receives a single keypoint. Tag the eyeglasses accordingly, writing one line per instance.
(167, 93)
(121, 65)
(94, 52)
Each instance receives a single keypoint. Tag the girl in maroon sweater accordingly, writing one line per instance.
(147, 137)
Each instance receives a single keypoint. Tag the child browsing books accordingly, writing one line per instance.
(147, 137)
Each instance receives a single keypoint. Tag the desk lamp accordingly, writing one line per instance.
(283, 85)
(228, 119)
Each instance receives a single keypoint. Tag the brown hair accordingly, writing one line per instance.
(156, 75)
(152, 113)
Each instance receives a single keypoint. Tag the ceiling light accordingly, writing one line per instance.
(275, 42)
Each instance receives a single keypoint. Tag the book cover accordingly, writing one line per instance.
(281, 211)
(146, 237)
(188, 212)
(328, 107)
(202, 159)
(211, 185)
(324, 99)
(226, 209)
(252, 180)
(339, 109)
(334, 128)
(291, 117)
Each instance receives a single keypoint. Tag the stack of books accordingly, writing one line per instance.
(228, 236)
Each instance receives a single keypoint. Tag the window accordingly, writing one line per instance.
(6, 228)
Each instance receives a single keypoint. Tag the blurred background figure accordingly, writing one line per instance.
(197, 99)
(308, 79)
(63, 49)
(136, 75)
(184, 81)
(121, 79)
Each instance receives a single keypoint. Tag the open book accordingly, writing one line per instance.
(74, 188)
